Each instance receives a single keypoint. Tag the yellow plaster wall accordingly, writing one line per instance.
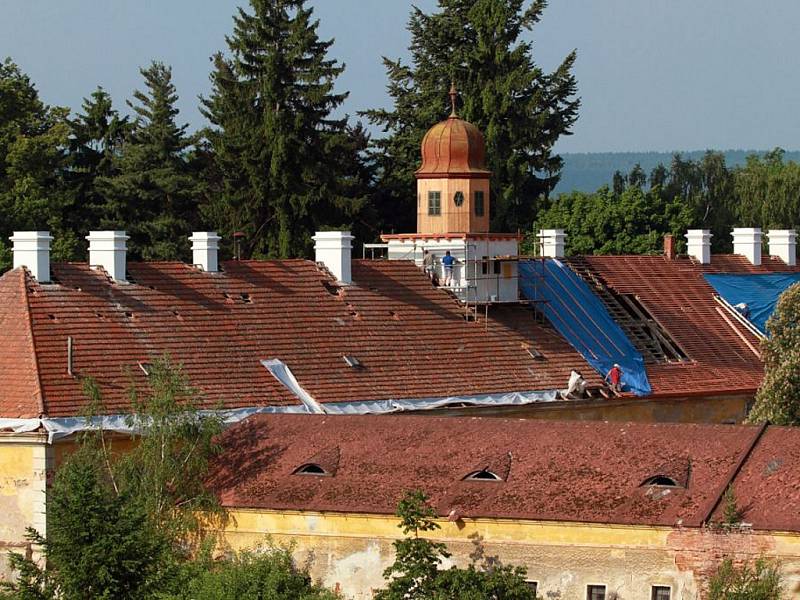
(24, 462)
(350, 552)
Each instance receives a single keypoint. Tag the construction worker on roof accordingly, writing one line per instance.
(614, 378)
(448, 262)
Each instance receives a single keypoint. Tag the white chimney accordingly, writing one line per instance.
(783, 244)
(551, 242)
(107, 249)
(698, 245)
(747, 242)
(205, 248)
(32, 251)
(334, 249)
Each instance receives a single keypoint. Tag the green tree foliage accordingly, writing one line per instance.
(759, 581)
(778, 398)
(96, 138)
(152, 192)
(124, 526)
(33, 142)
(415, 573)
(283, 166)
(99, 544)
(521, 110)
(632, 218)
(768, 190)
(268, 573)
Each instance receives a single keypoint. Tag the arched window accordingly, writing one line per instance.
(311, 469)
(660, 480)
(483, 475)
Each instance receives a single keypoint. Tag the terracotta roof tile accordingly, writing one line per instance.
(410, 337)
(561, 471)
(679, 298)
(20, 393)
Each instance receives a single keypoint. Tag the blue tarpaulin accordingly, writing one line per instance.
(582, 319)
(760, 292)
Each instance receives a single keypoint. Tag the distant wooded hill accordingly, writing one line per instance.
(588, 171)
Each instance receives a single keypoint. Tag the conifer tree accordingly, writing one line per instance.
(33, 142)
(522, 111)
(97, 135)
(283, 165)
(152, 193)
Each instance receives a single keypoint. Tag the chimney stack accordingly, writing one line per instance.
(205, 249)
(747, 242)
(107, 249)
(698, 245)
(783, 244)
(669, 247)
(32, 251)
(334, 249)
(551, 243)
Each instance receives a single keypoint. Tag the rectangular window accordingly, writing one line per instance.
(497, 267)
(533, 586)
(434, 203)
(595, 592)
(479, 204)
(485, 265)
(661, 592)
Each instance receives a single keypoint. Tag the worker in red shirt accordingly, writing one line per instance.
(614, 378)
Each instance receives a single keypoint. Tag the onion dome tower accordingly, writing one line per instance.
(453, 182)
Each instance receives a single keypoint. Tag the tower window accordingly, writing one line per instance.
(434, 203)
(479, 208)
(458, 198)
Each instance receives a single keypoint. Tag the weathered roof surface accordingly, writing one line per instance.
(557, 471)
(411, 338)
(679, 298)
(20, 393)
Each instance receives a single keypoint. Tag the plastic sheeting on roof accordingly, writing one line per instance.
(759, 291)
(582, 319)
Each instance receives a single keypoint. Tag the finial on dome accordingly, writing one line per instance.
(453, 96)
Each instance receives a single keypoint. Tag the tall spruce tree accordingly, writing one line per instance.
(33, 143)
(283, 165)
(97, 136)
(522, 111)
(152, 192)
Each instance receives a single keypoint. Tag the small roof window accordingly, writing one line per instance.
(352, 361)
(311, 469)
(483, 475)
(659, 480)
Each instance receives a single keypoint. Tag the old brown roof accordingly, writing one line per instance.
(411, 338)
(557, 471)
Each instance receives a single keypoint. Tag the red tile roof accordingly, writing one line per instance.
(411, 338)
(681, 301)
(556, 471)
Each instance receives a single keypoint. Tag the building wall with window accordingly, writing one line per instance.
(349, 552)
(455, 214)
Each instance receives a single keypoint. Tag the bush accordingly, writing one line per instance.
(760, 581)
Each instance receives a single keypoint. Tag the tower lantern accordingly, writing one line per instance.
(453, 182)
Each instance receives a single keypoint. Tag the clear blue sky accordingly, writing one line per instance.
(653, 74)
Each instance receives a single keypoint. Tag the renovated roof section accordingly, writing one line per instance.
(558, 471)
(719, 353)
(411, 338)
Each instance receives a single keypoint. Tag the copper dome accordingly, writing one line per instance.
(453, 147)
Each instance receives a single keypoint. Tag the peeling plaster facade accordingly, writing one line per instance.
(25, 460)
(349, 552)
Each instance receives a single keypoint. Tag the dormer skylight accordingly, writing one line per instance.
(483, 475)
(311, 469)
(352, 361)
(660, 481)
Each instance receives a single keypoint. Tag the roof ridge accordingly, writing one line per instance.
(29, 321)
